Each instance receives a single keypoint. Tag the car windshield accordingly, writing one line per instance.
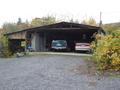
(59, 43)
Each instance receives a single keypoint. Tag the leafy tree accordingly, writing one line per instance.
(5, 51)
(109, 28)
(73, 21)
(27, 22)
(10, 27)
(43, 21)
(22, 25)
(2, 31)
(90, 21)
(19, 21)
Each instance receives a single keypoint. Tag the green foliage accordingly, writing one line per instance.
(90, 21)
(5, 48)
(13, 27)
(10, 27)
(73, 21)
(107, 51)
(19, 21)
(19, 25)
(109, 28)
(43, 21)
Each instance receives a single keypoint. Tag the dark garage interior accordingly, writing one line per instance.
(71, 36)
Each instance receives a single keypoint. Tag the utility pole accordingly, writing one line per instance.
(100, 24)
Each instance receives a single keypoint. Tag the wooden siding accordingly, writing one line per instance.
(20, 35)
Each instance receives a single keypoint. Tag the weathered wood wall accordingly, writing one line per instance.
(20, 35)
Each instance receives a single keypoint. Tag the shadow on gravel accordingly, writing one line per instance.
(88, 69)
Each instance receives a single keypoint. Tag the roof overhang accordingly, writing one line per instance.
(62, 26)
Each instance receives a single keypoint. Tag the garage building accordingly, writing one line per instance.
(40, 38)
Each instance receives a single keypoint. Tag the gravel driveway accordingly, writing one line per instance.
(50, 72)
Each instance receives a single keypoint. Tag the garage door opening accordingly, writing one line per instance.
(71, 37)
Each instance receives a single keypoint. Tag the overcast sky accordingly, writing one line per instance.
(11, 10)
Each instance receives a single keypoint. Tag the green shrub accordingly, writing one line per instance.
(107, 51)
(5, 52)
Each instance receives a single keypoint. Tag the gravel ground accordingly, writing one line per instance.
(51, 72)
